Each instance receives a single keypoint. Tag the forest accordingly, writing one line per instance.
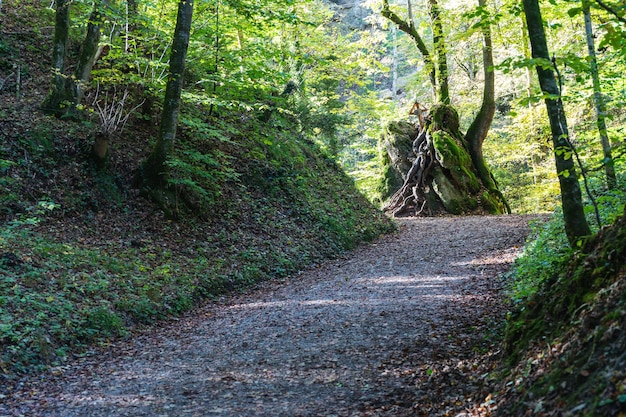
(165, 164)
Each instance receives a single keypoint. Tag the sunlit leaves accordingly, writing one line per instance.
(565, 152)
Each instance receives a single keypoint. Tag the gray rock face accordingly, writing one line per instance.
(351, 13)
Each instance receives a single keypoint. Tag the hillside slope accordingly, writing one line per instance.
(567, 343)
(85, 257)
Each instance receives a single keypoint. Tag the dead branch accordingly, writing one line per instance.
(110, 110)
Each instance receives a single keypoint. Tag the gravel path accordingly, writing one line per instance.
(396, 328)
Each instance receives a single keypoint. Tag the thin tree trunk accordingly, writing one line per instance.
(576, 225)
(394, 66)
(479, 128)
(155, 168)
(59, 92)
(409, 29)
(88, 50)
(527, 55)
(409, 8)
(599, 104)
(441, 67)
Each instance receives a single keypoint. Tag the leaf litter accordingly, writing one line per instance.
(401, 327)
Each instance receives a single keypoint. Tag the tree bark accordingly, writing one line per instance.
(88, 50)
(479, 128)
(441, 58)
(576, 225)
(155, 170)
(599, 104)
(409, 29)
(58, 94)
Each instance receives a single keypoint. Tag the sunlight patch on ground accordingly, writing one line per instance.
(503, 258)
(117, 401)
(265, 304)
(415, 280)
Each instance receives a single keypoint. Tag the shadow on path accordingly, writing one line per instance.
(392, 329)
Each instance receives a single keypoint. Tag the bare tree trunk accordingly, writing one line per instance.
(527, 55)
(59, 91)
(599, 104)
(88, 50)
(409, 29)
(576, 225)
(155, 168)
(394, 65)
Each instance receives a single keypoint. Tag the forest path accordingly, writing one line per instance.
(396, 328)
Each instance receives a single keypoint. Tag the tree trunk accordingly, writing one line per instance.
(441, 67)
(155, 170)
(479, 128)
(88, 50)
(599, 105)
(409, 29)
(394, 65)
(59, 93)
(67, 92)
(576, 225)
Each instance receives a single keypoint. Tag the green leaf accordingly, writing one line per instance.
(574, 11)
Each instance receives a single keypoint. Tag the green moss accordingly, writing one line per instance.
(491, 203)
(452, 156)
(445, 118)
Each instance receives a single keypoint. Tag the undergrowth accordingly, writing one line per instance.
(547, 252)
(84, 258)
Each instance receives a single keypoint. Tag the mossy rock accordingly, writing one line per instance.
(397, 141)
(452, 156)
(391, 179)
(492, 203)
(453, 199)
(445, 118)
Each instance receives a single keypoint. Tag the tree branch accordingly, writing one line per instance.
(409, 29)
(608, 9)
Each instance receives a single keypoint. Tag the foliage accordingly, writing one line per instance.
(543, 272)
(256, 202)
(565, 343)
(546, 253)
(251, 195)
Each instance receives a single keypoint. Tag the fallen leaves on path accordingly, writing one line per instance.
(398, 328)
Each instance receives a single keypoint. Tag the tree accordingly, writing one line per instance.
(58, 94)
(67, 91)
(576, 225)
(477, 132)
(155, 170)
(468, 184)
(599, 104)
(89, 50)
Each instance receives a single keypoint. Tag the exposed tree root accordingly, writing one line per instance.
(412, 195)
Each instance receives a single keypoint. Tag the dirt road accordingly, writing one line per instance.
(397, 328)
